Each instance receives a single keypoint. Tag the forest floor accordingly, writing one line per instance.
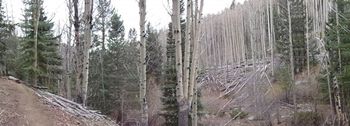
(20, 106)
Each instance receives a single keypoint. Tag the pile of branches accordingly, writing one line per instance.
(231, 79)
(75, 108)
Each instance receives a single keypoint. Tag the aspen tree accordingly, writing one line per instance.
(307, 38)
(338, 36)
(87, 43)
(143, 64)
(272, 47)
(194, 67)
(291, 57)
(188, 36)
(183, 106)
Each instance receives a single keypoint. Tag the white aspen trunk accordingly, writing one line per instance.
(188, 36)
(197, 37)
(87, 44)
(195, 108)
(269, 27)
(183, 106)
(194, 66)
(177, 36)
(36, 17)
(143, 64)
(338, 36)
(291, 58)
(263, 36)
(307, 38)
(330, 90)
(272, 32)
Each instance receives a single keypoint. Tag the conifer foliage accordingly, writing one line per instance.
(298, 33)
(339, 53)
(48, 59)
(7, 50)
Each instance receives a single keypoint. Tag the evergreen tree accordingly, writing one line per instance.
(104, 13)
(47, 48)
(120, 72)
(8, 45)
(154, 52)
(339, 68)
(3, 31)
(169, 87)
(298, 33)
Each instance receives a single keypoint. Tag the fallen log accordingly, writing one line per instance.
(74, 108)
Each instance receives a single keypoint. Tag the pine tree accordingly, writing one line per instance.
(48, 61)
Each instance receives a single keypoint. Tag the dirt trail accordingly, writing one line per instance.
(20, 106)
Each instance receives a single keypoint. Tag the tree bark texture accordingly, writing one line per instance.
(143, 64)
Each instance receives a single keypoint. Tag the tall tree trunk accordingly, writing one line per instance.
(338, 36)
(143, 64)
(78, 53)
(291, 54)
(194, 66)
(183, 104)
(87, 43)
(307, 38)
(68, 51)
(36, 17)
(272, 47)
(188, 36)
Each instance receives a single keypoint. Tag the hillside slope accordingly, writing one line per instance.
(21, 106)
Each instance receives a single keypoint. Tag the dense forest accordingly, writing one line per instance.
(258, 62)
